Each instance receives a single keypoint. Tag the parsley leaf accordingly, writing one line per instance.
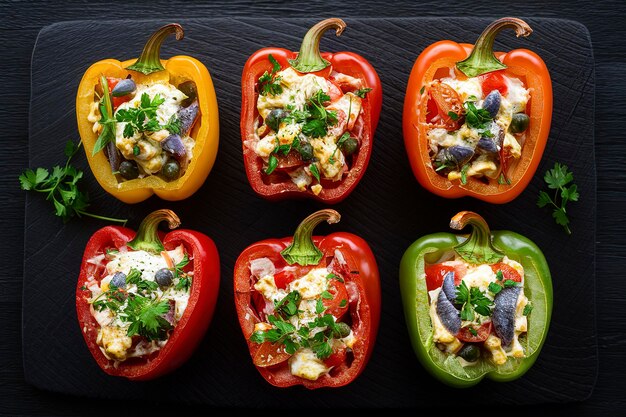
(473, 300)
(528, 308)
(343, 303)
(268, 83)
(464, 174)
(510, 283)
(494, 288)
(146, 317)
(476, 118)
(288, 306)
(272, 163)
(143, 118)
(361, 92)
(61, 187)
(315, 172)
(319, 306)
(559, 178)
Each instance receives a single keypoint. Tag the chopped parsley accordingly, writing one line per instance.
(361, 92)
(268, 82)
(316, 335)
(473, 301)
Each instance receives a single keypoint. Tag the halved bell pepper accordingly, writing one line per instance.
(149, 68)
(482, 246)
(203, 270)
(351, 296)
(308, 61)
(466, 61)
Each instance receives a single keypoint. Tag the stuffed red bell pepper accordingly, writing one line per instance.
(145, 300)
(308, 306)
(308, 119)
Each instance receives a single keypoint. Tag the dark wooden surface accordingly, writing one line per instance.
(388, 209)
(21, 22)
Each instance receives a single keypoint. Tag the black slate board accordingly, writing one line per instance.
(388, 208)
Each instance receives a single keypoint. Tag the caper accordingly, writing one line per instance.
(469, 352)
(306, 151)
(171, 170)
(189, 89)
(519, 123)
(342, 329)
(129, 170)
(349, 146)
(274, 118)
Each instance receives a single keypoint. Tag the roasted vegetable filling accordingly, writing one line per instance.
(144, 129)
(139, 301)
(476, 126)
(302, 319)
(309, 128)
(479, 311)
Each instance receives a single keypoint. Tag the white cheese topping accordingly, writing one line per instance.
(306, 365)
(312, 284)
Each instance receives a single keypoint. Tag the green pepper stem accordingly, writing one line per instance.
(150, 59)
(302, 250)
(482, 59)
(309, 58)
(147, 237)
(477, 248)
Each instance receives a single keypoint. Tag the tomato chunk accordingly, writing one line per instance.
(493, 81)
(336, 358)
(449, 105)
(283, 278)
(482, 333)
(270, 354)
(437, 272)
(508, 272)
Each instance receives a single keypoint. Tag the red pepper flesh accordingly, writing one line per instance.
(189, 330)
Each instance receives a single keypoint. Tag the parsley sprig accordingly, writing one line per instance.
(477, 118)
(184, 280)
(316, 335)
(361, 92)
(61, 187)
(144, 117)
(145, 316)
(558, 179)
(473, 301)
(319, 119)
(268, 82)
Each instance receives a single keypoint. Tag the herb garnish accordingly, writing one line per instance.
(473, 300)
(62, 187)
(319, 118)
(143, 118)
(315, 172)
(464, 170)
(146, 317)
(477, 118)
(558, 179)
(284, 332)
(361, 92)
(268, 82)
(528, 308)
(184, 280)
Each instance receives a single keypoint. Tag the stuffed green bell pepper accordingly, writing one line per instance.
(476, 306)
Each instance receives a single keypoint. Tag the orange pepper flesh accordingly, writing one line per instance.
(521, 63)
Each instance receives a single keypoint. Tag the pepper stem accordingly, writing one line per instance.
(309, 58)
(482, 59)
(147, 237)
(302, 250)
(477, 249)
(150, 59)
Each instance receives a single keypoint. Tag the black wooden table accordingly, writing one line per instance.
(21, 21)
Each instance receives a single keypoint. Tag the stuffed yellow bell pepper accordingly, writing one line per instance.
(149, 126)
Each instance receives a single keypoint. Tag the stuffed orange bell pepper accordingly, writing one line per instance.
(149, 126)
(476, 122)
